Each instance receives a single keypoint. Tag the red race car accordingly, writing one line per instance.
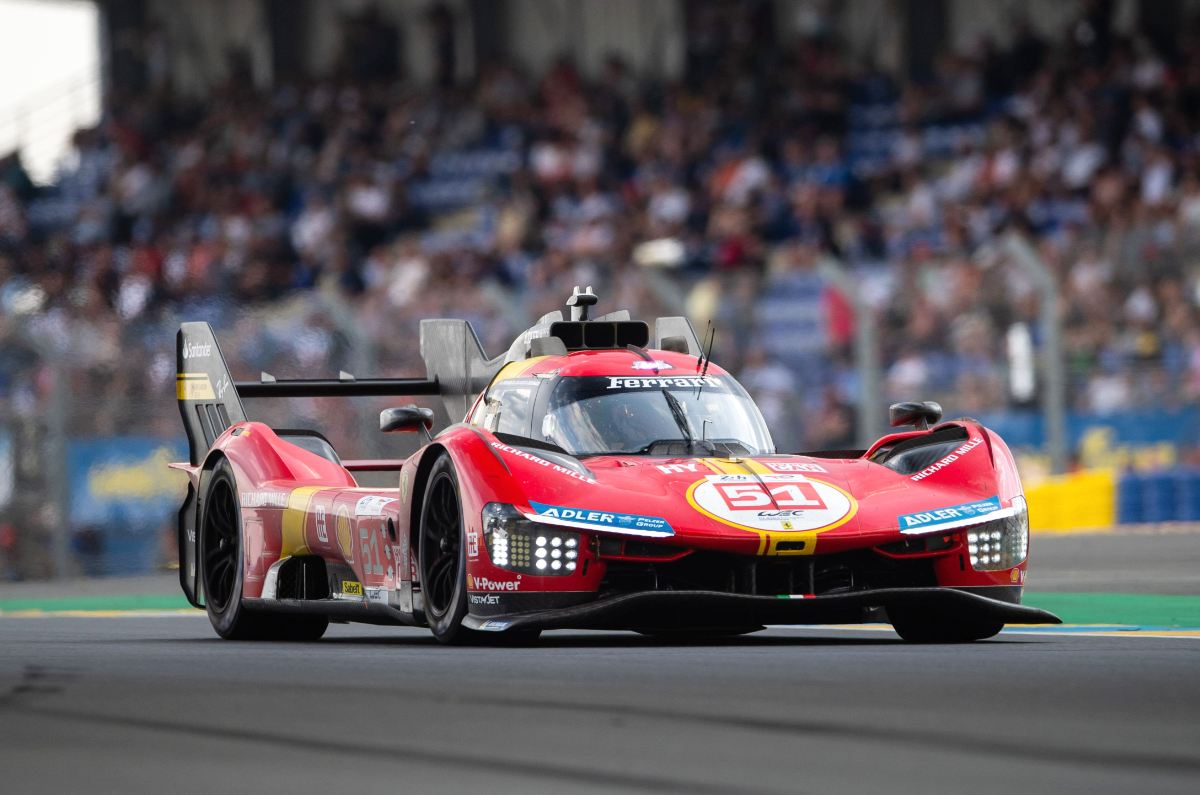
(596, 481)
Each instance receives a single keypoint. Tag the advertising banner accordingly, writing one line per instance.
(123, 498)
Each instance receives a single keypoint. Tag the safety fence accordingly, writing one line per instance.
(88, 423)
(1101, 498)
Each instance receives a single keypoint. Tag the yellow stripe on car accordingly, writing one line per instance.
(294, 520)
(194, 386)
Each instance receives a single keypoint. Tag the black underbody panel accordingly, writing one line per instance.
(650, 610)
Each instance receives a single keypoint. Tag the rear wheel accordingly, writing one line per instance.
(222, 572)
(925, 627)
(442, 555)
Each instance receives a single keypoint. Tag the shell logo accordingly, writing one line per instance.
(345, 541)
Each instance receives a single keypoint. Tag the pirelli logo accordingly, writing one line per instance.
(351, 588)
(194, 386)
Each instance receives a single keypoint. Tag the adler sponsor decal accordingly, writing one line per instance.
(948, 460)
(631, 524)
(954, 516)
(542, 462)
(264, 499)
(477, 583)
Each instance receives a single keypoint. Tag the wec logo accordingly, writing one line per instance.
(196, 350)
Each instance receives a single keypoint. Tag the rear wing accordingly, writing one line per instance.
(210, 401)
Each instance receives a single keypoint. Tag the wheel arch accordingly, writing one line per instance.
(420, 480)
(189, 529)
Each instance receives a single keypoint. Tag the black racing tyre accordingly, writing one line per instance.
(442, 556)
(919, 626)
(222, 573)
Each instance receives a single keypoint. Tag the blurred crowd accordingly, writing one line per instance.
(316, 224)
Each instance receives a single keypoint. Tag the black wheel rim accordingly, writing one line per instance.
(220, 544)
(441, 531)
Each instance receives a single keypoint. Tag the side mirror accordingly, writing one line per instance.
(914, 413)
(408, 419)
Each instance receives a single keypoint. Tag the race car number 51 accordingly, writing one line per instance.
(779, 502)
(749, 496)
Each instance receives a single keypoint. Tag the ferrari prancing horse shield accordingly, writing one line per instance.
(772, 502)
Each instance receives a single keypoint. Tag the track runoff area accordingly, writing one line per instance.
(113, 686)
(1134, 580)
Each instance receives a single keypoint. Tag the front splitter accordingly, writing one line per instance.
(714, 609)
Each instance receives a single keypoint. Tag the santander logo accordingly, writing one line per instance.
(196, 350)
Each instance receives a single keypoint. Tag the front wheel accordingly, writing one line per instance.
(442, 555)
(918, 626)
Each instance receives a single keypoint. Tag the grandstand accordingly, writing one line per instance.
(314, 178)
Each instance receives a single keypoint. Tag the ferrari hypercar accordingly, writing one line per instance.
(600, 478)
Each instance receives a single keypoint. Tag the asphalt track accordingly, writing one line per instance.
(1152, 560)
(158, 704)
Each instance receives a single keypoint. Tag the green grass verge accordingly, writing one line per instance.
(1147, 610)
(98, 603)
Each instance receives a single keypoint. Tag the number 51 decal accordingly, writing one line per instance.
(752, 496)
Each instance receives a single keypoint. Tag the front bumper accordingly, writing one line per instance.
(666, 610)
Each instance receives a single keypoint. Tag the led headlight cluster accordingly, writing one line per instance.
(1000, 544)
(516, 544)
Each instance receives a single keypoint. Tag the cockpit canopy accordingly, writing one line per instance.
(606, 395)
(654, 416)
(664, 415)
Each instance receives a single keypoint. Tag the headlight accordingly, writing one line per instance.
(516, 544)
(1000, 544)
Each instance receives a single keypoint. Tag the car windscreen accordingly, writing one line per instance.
(508, 406)
(619, 414)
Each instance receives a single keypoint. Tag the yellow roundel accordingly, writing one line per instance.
(1015, 575)
(772, 503)
(345, 541)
